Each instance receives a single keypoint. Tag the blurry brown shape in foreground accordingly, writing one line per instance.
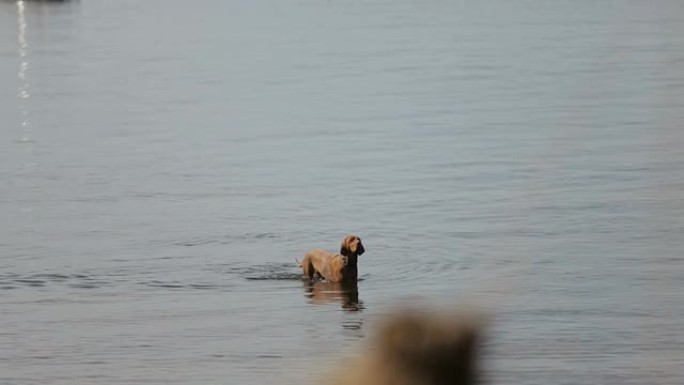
(417, 348)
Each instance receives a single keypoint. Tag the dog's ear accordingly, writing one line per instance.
(359, 248)
(344, 248)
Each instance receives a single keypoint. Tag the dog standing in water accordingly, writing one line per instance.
(340, 267)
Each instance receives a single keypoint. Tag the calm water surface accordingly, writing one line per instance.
(163, 163)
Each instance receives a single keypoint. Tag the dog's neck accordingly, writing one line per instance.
(350, 260)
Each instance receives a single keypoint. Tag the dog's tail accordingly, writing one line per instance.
(299, 264)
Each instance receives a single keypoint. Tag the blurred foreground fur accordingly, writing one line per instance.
(417, 348)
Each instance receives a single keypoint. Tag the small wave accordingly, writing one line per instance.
(270, 271)
(31, 282)
(81, 281)
(9, 281)
(281, 277)
(269, 356)
(352, 325)
(202, 286)
(178, 285)
(197, 242)
(166, 285)
(84, 286)
(53, 277)
(436, 267)
(222, 239)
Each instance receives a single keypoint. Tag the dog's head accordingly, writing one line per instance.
(351, 245)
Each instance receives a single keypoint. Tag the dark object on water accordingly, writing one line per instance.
(417, 348)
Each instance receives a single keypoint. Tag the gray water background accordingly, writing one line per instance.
(163, 163)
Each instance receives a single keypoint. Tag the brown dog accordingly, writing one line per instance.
(334, 267)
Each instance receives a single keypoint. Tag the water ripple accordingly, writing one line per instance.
(112, 281)
(270, 271)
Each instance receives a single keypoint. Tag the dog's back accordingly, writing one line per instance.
(315, 261)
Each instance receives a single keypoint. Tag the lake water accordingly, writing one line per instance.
(163, 163)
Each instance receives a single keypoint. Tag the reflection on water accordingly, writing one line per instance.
(23, 91)
(324, 292)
